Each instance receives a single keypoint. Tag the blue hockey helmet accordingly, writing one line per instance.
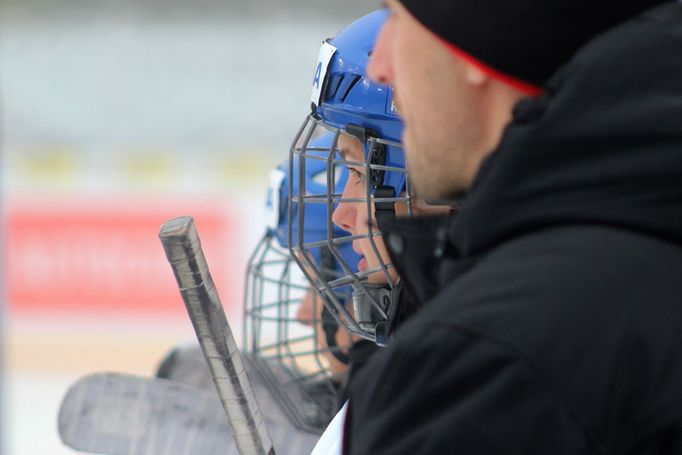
(346, 102)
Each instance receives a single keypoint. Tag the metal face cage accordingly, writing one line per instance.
(288, 353)
(376, 290)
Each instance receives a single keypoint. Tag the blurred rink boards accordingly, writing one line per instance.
(115, 116)
(88, 288)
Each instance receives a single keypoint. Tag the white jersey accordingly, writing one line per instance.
(331, 441)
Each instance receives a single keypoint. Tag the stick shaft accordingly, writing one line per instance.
(183, 249)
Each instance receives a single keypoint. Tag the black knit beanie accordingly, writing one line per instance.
(521, 42)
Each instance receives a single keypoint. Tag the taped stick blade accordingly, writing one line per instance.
(119, 414)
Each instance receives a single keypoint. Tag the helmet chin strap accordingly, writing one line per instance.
(367, 315)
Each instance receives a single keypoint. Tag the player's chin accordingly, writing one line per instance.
(377, 278)
(357, 248)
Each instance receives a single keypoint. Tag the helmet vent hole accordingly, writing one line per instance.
(333, 85)
(350, 87)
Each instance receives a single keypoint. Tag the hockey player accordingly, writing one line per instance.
(366, 128)
(554, 327)
(361, 117)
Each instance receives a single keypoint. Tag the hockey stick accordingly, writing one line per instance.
(181, 242)
(122, 414)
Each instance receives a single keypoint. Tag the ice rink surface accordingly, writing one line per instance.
(46, 356)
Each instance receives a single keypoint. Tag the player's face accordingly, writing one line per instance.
(441, 111)
(310, 312)
(353, 216)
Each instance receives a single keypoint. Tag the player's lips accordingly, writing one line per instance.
(362, 263)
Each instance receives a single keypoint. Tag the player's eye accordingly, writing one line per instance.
(357, 174)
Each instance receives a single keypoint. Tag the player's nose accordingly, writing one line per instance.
(305, 312)
(344, 216)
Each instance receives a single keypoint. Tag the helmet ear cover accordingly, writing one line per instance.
(377, 152)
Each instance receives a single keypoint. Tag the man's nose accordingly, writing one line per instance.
(380, 66)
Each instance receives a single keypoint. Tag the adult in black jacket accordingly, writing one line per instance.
(554, 315)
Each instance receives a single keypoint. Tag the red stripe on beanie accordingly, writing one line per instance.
(525, 87)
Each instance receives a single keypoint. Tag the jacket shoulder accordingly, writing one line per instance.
(452, 390)
(596, 309)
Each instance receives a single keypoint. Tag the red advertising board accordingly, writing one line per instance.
(104, 255)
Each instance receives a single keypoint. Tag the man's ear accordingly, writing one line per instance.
(475, 75)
